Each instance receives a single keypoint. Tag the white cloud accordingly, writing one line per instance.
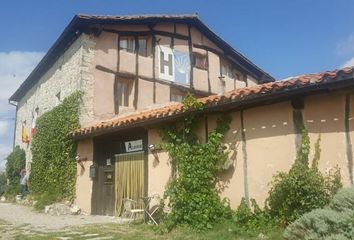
(4, 125)
(4, 152)
(346, 47)
(15, 66)
(349, 63)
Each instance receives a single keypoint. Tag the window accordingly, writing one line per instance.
(143, 51)
(124, 88)
(127, 44)
(226, 69)
(200, 61)
(177, 96)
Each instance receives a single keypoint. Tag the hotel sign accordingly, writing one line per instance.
(174, 65)
(133, 146)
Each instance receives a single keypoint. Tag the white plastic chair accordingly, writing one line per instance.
(130, 210)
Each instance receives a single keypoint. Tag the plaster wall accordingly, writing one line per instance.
(251, 81)
(145, 92)
(324, 117)
(70, 73)
(214, 72)
(83, 180)
(269, 145)
(106, 55)
(159, 169)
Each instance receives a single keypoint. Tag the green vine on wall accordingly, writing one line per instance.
(191, 193)
(54, 166)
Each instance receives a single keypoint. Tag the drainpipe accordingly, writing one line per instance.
(13, 103)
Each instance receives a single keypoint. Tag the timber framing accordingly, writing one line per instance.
(93, 24)
(225, 56)
(128, 75)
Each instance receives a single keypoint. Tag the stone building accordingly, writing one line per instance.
(134, 70)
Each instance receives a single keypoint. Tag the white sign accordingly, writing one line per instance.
(133, 146)
(174, 65)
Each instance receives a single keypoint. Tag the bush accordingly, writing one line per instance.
(253, 220)
(45, 199)
(322, 224)
(15, 162)
(343, 200)
(334, 222)
(54, 165)
(3, 182)
(302, 189)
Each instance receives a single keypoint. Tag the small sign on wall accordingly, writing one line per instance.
(133, 146)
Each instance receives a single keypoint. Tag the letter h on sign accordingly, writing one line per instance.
(164, 63)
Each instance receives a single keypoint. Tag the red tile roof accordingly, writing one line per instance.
(235, 96)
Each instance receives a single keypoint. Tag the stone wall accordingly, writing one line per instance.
(71, 72)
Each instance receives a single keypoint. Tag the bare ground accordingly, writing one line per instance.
(19, 215)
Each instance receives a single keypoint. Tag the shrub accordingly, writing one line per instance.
(322, 223)
(302, 189)
(54, 165)
(3, 182)
(253, 220)
(343, 200)
(15, 161)
(334, 222)
(45, 199)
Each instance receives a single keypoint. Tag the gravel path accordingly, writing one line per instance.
(21, 215)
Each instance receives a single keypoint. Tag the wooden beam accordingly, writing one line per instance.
(190, 56)
(132, 76)
(146, 33)
(226, 56)
(136, 82)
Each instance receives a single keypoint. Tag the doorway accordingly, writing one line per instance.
(129, 178)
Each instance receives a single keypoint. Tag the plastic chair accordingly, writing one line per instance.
(130, 210)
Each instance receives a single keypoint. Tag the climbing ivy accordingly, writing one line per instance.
(54, 166)
(191, 193)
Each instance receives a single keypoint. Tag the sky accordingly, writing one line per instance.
(284, 38)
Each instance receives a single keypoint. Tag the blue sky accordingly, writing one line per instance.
(285, 38)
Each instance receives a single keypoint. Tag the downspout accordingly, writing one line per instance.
(349, 149)
(245, 160)
(14, 136)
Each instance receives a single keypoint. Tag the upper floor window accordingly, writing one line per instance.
(143, 50)
(177, 96)
(123, 94)
(200, 61)
(127, 44)
(226, 69)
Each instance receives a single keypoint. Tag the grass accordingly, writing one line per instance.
(134, 232)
